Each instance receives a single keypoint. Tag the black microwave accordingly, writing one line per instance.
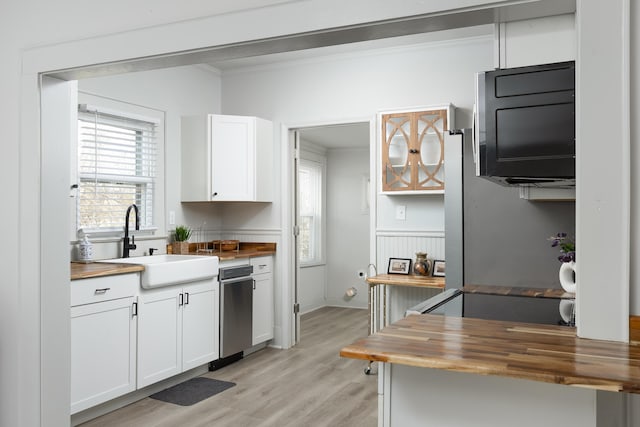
(525, 125)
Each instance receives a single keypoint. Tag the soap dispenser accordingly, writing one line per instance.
(86, 250)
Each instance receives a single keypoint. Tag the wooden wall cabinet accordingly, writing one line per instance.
(412, 150)
(227, 159)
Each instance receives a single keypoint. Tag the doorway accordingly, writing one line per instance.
(332, 216)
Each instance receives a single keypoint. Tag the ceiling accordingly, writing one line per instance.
(386, 31)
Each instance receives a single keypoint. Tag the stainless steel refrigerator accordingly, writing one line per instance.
(495, 237)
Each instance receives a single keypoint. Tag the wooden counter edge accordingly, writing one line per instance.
(81, 271)
(355, 352)
(407, 280)
(389, 346)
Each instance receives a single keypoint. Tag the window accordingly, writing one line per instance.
(117, 159)
(310, 198)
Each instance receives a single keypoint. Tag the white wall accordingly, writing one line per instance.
(354, 87)
(347, 226)
(338, 88)
(635, 160)
(312, 288)
(537, 41)
(178, 91)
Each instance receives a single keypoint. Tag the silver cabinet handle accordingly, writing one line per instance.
(186, 298)
(101, 291)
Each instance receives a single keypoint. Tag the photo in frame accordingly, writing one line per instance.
(399, 266)
(438, 268)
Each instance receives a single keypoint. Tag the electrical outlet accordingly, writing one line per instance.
(401, 212)
(172, 218)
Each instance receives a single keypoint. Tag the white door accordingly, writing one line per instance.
(200, 316)
(159, 335)
(296, 233)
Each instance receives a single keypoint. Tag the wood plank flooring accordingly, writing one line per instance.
(307, 385)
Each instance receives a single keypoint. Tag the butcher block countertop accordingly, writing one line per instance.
(81, 270)
(518, 291)
(547, 353)
(407, 280)
(245, 250)
(98, 269)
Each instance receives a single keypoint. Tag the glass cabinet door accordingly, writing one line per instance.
(413, 150)
(397, 170)
(430, 144)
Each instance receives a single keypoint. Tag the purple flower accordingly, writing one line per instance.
(567, 247)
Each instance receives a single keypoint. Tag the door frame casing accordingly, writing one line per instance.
(287, 135)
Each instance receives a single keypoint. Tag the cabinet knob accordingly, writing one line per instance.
(413, 151)
(214, 194)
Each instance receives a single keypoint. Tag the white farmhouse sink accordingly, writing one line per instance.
(167, 270)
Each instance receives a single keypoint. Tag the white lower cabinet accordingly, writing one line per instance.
(177, 329)
(263, 310)
(103, 339)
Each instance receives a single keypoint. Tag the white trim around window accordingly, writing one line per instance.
(119, 159)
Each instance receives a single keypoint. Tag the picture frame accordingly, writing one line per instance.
(399, 266)
(438, 269)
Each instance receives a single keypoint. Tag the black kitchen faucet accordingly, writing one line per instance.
(126, 246)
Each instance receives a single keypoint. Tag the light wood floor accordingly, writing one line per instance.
(307, 385)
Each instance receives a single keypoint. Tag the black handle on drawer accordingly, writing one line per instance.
(134, 309)
(186, 298)
(101, 291)
(180, 299)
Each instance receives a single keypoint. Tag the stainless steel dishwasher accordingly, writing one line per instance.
(236, 308)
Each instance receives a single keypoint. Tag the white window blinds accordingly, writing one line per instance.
(310, 199)
(116, 168)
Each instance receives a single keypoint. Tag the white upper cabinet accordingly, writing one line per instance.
(227, 158)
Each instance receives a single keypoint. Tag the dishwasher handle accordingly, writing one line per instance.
(235, 280)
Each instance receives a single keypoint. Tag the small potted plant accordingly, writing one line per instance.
(181, 239)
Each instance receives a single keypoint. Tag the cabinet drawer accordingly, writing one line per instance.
(263, 264)
(97, 289)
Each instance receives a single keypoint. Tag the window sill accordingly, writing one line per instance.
(114, 232)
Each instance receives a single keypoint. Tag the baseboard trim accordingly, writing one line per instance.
(634, 328)
(122, 401)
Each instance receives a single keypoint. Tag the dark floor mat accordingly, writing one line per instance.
(192, 391)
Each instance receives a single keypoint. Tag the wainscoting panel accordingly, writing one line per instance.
(405, 245)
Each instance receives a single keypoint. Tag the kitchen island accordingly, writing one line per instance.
(454, 371)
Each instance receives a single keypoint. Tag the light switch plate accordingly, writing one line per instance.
(401, 212)
(172, 218)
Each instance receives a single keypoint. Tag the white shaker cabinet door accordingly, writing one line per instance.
(103, 341)
(227, 159)
(233, 158)
(263, 308)
(200, 330)
(159, 335)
